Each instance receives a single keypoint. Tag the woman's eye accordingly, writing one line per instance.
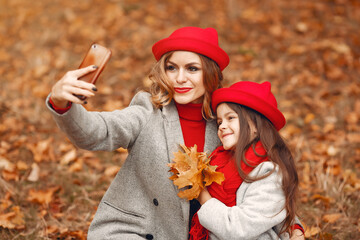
(170, 68)
(193, 69)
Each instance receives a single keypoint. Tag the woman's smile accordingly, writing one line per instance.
(182, 89)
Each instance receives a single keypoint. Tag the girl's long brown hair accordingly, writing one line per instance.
(161, 89)
(277, 152)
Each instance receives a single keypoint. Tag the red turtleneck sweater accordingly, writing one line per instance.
(193, 129)
(192, 125)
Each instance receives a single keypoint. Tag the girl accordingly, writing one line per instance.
(257, 198)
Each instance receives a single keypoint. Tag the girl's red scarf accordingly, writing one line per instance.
(226, 192)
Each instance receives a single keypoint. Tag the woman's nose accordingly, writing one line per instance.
(181, 77)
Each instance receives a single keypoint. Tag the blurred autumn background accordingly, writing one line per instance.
(308, 49)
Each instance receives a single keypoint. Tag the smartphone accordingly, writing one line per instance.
(97, 55)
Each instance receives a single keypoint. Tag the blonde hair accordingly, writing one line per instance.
(161, 89)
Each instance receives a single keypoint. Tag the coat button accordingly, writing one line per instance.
(156, 202)
(149, 236)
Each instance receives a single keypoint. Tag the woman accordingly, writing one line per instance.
(141, 202)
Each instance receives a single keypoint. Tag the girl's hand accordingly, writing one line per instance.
(64, 90)
(204, 196)
(297, 235)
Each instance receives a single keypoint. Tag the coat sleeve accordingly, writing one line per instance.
(258, 209)
(105, 130)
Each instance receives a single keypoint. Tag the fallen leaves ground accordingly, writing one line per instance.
(309, 50)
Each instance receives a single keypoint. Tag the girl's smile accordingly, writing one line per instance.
(225, 135)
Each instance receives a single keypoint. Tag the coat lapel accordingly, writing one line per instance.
(173, 133)
(174, 138)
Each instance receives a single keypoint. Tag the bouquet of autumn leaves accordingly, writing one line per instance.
(192, 171)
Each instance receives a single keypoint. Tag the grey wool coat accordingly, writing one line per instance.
(141, 202)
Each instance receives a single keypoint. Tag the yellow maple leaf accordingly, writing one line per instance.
(192, 172)
(211, 176)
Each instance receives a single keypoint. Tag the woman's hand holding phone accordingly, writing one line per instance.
(69, 86)
(70, 89)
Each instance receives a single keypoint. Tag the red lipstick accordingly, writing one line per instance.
(182, 90)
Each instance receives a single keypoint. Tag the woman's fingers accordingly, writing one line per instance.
(80, 92)
(70, 85)
(82, 84)
(83, 71)
(72, 98)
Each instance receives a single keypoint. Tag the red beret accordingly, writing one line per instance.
(193, 39)
(253, 95)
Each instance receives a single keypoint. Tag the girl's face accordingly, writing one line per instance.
(184, 69)
(229, 126)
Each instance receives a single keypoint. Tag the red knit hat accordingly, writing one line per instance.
(253, 95)
(193, 39)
